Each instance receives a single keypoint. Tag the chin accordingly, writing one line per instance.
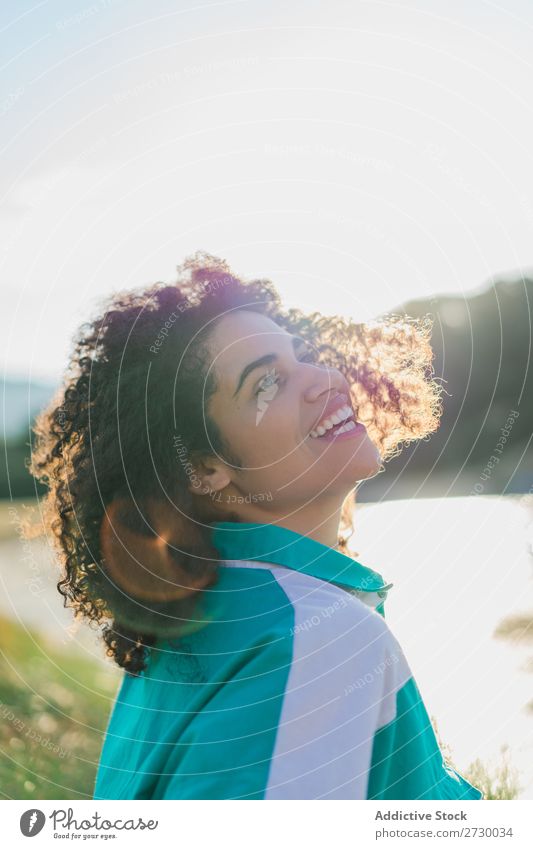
(367, 473)
(368, 466)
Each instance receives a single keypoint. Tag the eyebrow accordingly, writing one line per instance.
(264, 361)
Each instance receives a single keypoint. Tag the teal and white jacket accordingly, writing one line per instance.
(291, 687)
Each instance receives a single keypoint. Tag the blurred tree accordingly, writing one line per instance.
(483, 355)
(15, 480)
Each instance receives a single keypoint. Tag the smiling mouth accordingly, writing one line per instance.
(341, 421)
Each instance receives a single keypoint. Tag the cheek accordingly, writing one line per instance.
(263, 431)
(274, 434)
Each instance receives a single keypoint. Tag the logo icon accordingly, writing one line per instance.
(269, 388)
(32, 822)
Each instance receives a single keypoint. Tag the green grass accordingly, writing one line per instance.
(54, 706)
(66, 698)
(496, 780)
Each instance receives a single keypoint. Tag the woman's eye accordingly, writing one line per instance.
(267, 381)
(271, 377)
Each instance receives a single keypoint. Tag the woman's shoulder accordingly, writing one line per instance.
(263, 607)
(300, 605)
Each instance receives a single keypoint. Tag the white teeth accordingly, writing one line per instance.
(348, 426)
(341, 415)
(337, 417)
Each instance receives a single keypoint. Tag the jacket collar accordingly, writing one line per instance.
(275, 544)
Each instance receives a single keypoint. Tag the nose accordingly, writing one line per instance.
(324, 383)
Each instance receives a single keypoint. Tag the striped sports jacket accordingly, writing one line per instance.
(289, 686)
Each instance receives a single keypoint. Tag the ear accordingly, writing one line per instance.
(137, 556)
(209, 476)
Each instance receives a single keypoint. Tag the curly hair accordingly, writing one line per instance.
(134, 552)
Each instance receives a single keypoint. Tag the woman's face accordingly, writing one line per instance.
(270, 399)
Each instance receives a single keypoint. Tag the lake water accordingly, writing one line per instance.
(459, 567)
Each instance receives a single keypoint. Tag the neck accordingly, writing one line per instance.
(324, 530)
(314, 521)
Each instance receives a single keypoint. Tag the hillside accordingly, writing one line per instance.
(483, 354)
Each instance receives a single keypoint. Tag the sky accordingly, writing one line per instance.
(358, 154)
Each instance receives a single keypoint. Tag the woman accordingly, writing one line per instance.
(201, 464)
